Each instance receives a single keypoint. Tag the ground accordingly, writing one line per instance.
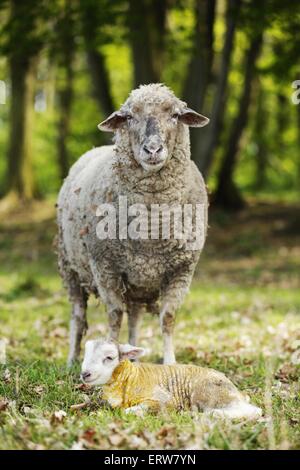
(241, 317)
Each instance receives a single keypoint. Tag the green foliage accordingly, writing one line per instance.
(39, 27)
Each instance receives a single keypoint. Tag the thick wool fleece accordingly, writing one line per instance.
(173, 387)
(128, 272)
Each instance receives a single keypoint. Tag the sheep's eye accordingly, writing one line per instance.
(175, 116)
(109, 358)
(129, 117)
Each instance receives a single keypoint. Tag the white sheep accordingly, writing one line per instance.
(140, 387)
(149, 165)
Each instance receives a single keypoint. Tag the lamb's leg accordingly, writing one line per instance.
(167, 322)
(78, 323)
(238, 410)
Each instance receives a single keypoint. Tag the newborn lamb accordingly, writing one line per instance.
(139, 387)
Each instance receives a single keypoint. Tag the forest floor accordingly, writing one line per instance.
(241, 317)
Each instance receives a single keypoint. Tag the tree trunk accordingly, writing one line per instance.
(210, 136)
(227, 194)
(199, 68)
(96, 61)
(282, 120)
(65, 92)
(157, 31)
(298, 122)
(147, 25)
(100, 79)
(259, 132)
(20, 171)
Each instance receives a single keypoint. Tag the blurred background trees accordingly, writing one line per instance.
(66, 64)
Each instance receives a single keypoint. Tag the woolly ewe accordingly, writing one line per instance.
(148, 164)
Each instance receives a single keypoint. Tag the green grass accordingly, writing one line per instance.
(241, 317)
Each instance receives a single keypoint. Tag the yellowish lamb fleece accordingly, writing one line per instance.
(175, 386)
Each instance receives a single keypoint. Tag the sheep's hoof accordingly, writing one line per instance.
(72, 361)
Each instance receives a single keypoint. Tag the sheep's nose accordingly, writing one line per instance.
(152, 150)
(85, 375)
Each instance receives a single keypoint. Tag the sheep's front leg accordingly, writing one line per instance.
(115, 316)
(78, 327)
(172, 298)
(133, 321)
(167, 322)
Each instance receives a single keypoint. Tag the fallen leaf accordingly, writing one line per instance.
(79, 406)
(89, 435)
(39, 389)
(7, 376)
(3, 404)
(34, 446)
(83, 387)
(78, 446)
(58, 416)
(59, 332)
(116, 439)
(287, 372)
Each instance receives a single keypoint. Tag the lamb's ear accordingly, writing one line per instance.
(113, 122)
(130, 352)
(193, 119)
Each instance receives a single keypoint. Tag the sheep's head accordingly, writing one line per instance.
(101, 357)
(152, 116)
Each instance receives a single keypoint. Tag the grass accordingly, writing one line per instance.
(241, 317)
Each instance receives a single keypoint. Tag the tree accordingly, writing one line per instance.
(22, 38)
(227, 194)
(65, 52)
(200, 66)
(147, 28)
(21, 29)
(210, 137)
(93, 16)
(260, 137)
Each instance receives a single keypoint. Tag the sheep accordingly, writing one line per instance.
(142, 387)
(150, 166)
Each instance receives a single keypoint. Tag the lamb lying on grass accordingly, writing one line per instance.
(140, 387)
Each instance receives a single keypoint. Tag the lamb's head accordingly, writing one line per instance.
(101, 357)
(152, 117)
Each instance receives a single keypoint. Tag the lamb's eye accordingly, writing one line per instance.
(109, 358)
(175, 116)
(129, 117)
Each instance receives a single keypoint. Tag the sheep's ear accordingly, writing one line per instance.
(193, 119)
(113, 122)
(130, 352)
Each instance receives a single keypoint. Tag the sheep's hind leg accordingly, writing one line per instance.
(78, 323)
